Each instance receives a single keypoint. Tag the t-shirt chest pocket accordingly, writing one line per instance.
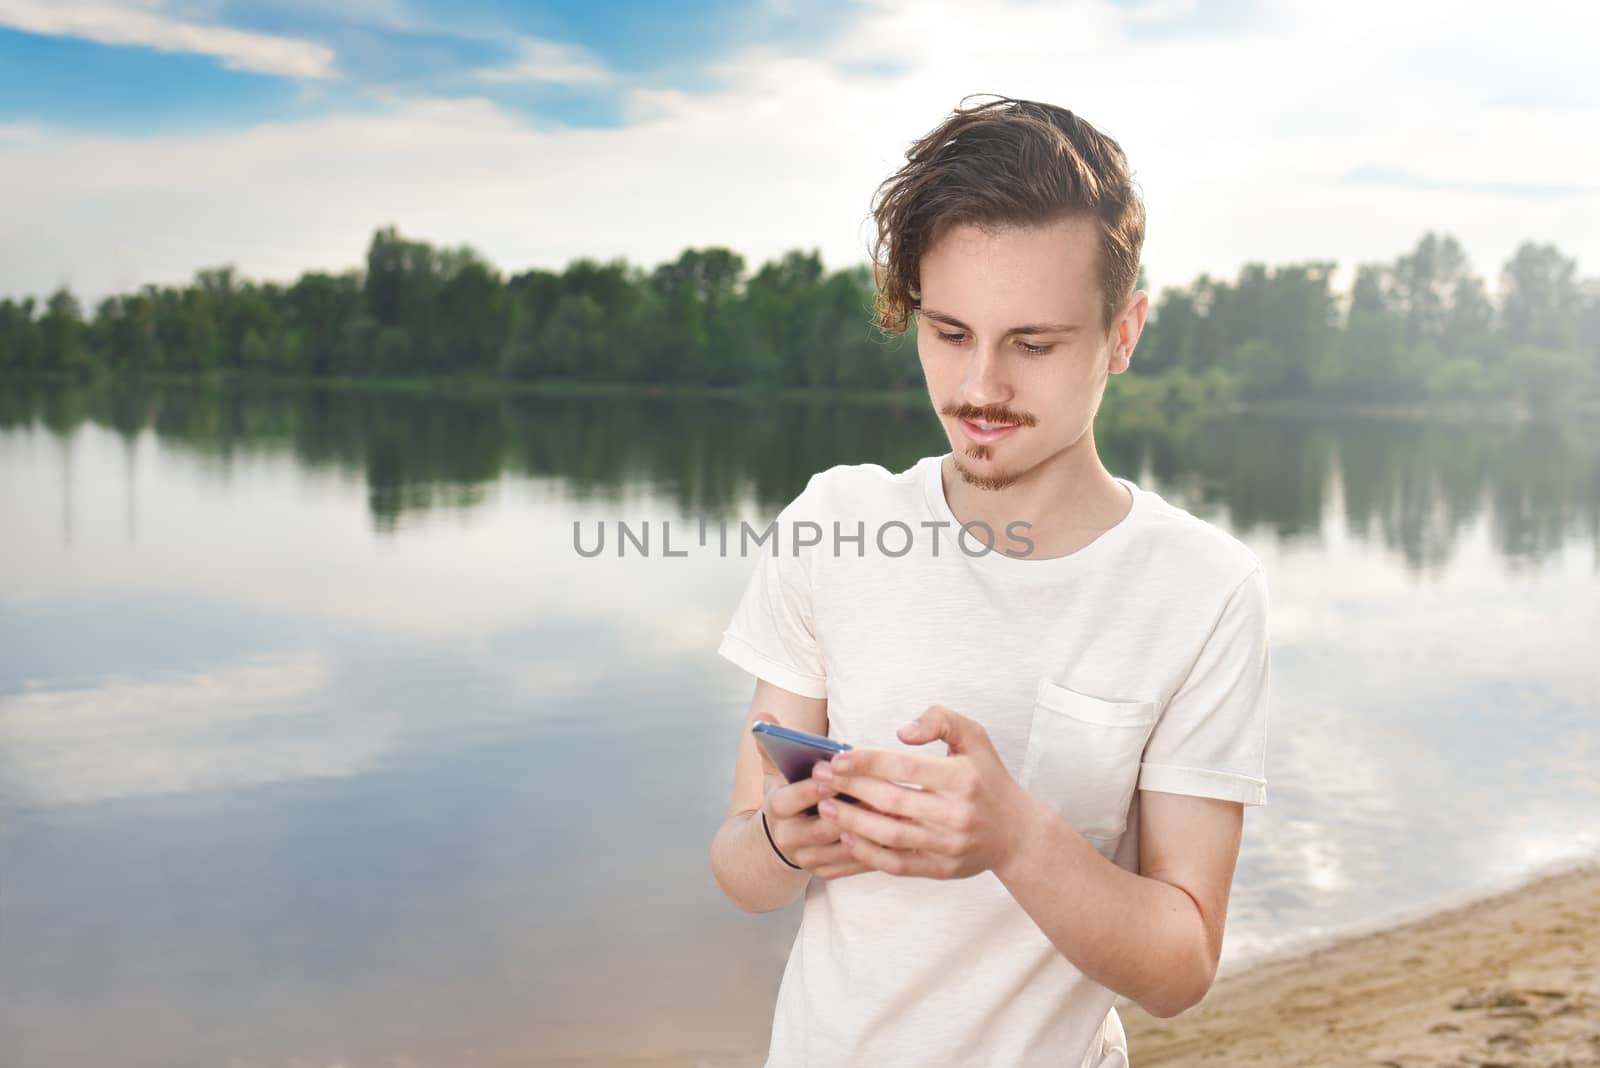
(1082, 757)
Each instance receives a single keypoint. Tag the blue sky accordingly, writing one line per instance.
(145, 139)
(136, 74)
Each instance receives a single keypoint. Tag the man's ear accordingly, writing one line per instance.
(1128, 327)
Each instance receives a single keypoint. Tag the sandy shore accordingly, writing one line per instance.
(1507, 981)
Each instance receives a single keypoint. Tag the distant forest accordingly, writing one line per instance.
(1421, 328)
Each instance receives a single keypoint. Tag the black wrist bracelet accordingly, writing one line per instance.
(775, 848)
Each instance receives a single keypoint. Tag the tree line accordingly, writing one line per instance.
(1422, 327)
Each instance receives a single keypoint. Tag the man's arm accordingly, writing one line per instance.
(742, 860)
(1155, 936)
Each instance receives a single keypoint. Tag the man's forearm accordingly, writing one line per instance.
(1137, 936)
(748, 871)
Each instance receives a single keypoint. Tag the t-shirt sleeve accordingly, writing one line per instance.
(772, 634)
(1211, 738)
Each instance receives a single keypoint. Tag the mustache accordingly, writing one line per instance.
(990, 416)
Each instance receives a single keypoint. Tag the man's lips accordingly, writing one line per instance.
(976, 433)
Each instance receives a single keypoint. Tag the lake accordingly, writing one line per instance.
(321, 745)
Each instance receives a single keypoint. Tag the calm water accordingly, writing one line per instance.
(320, 745)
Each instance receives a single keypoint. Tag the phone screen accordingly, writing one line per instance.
(797, 752)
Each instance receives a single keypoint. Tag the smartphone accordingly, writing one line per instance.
(796, 752)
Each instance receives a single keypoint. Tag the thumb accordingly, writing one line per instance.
(961, 734)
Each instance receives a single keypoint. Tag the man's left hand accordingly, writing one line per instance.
(968, 817)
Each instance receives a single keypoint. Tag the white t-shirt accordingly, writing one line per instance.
(1139, 660)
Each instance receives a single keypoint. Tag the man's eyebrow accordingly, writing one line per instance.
(1031, 328)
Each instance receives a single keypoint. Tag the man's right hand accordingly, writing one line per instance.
(809, 841)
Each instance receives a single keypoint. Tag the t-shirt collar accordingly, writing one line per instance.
(971, 546)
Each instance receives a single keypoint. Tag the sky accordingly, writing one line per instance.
(143, 140)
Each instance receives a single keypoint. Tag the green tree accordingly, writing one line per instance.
(62, 334)
(402, 287)
(698, 329)
(1372, 362)
(21, 348)
(472, 314)
(1423, 285)
(1540, 304)
(322, 309)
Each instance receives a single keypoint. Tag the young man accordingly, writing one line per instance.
(1098, 676)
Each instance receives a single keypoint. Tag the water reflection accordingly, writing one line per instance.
(1413, 487)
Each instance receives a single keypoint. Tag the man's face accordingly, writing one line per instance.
(976, 287)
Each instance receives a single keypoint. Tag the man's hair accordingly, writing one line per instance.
(1005, 163)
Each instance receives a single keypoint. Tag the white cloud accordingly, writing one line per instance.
(1240, 140)
(144, 25)
(552, 62)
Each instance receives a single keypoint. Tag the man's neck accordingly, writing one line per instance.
(1069, 500)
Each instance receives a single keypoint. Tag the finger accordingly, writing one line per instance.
(825, 834)
(832, 854)
(812, 792)
(891, 861)
(811, 854)
(830, 789)
(792, 799)
(891, 799)
(923, 769)
(887, 831)
(796, 837)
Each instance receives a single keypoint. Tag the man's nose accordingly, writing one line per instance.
(984, 384)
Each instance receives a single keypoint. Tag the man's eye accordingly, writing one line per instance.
(1031, 350)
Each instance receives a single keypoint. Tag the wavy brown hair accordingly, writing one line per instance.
(1004, 163)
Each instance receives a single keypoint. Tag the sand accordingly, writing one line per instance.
(1509, 980)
